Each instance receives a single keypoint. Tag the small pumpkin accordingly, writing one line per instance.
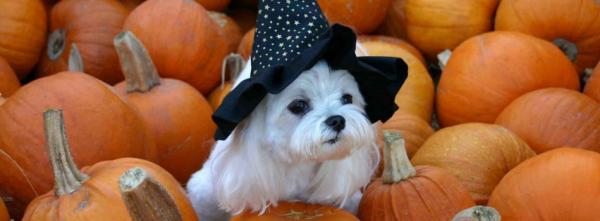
(573, 25)
(9, 83)
(479, 155)
(245, 18)
(416, 94)
(176, 113)
(3, 212)
(214, 5)
(182, 39)
(487, 72)
(106, 190)
(23, 27)
(411, 193)
(434, 25)
(561, 184)
(362, 15)
(245, 47)
(229, 28)
(554, 117)
(91, 24)
(478, 213)
(288, 211)
(232, 66)
(592, 86)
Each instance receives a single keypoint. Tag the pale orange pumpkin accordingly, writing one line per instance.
(364, 16)
(592, 86)
(289, 211)
(487, 72)
(479, 155)
(9, 83)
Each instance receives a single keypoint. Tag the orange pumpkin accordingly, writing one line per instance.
(96, 192)
(232, 66)
(214, 5)
(182, 39)
(573, 25)
(288, 211)
(436, 25)
(487, 72)
(561, 184)
(592, 86)
(416, 94)
(245, 18)
(411, 193)
(131, 4)
(229, 28)
(479, 155)
(245, 47)
(23, 27)
(569, 118)
(364, 16)
(9, 83)
(91, 24)
(103, 127)
(176, 113)
(3, 212)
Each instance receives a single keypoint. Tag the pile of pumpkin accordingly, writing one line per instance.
(133, 83)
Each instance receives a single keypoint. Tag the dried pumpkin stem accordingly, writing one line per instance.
(67, 176)
(145, 198)
(75, 61)
(443, 58)
(478, 213)
(140, 73)
(397, 166)
(232, 66)
(569, 48)
(56, 44)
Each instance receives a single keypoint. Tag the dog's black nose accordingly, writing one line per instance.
(336, 122)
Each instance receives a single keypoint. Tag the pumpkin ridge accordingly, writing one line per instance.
(20, 170)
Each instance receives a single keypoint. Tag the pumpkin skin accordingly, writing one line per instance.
(178, 116)
(9, 83)
(592, 86)
(574, 21)
(182, 39)
(561, 184)
(436, 25)
(3, 212)
(230, 29)
(569, 118)
(23, 27)
(245, 47)
(91, 25)
(411, 193)
(117, 129)
(479, 155)
(214, 5)
(416, 94)
(364, 16)
(131, 4)
(288, 211)
(245, 18)
(487, 72)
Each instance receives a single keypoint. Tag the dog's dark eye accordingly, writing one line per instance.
(299, 107)
(347, 99)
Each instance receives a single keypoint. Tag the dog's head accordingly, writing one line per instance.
(320, 116)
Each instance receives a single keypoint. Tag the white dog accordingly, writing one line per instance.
(312, 142)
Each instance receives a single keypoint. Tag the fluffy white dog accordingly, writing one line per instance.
(312, 142)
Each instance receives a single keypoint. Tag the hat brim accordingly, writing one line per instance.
(378, 79)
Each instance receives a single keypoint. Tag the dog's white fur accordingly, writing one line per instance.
(275, 155)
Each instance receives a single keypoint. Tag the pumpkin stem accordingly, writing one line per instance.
(478, 213)
(232, 67)
(67, 176)
(397, 166)
(56, 44)
(443, 58)
(569, 48)
(75, 61)
(140, 73)
(145, 198)
(587, 74)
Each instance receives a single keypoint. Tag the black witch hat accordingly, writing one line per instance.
(291, 37)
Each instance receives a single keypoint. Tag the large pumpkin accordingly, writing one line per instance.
(487, 72)
(289, 211)
(103, 127)
(479, 155)
(230, 29)
(554, 117)
(23, 27)
(9, 83)
(364, 16)
(592, 86)
(416, 94)
(91, 25)
(182, 39)
(561, 184)
(411, 193)
(107, 190)
(573, 25)
(176, 113)
(436, 25)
